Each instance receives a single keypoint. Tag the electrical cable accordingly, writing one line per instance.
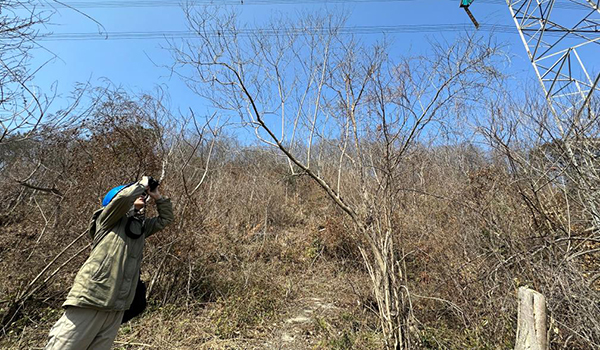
(178, 3)
(571, 4)
(359, 30)
(181, 34)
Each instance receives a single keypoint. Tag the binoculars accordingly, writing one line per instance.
(152, 183)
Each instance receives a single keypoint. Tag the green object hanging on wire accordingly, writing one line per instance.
(465, 3)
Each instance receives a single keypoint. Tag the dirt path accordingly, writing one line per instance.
(298, 330)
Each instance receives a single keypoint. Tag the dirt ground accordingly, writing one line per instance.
(323, 311)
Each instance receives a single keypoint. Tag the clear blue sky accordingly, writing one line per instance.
(135, 64)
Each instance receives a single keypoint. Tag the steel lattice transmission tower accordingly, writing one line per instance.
(558, 48)
(554, 49)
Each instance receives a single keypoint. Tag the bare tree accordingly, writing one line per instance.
(303, 85)
(553, 161)
(21, 106)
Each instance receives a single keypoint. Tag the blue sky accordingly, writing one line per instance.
(135, 64)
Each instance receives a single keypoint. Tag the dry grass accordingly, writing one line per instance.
(253, 312)
(254, 247)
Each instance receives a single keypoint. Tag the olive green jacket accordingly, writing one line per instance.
(108, 278)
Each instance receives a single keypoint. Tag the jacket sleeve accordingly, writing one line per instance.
(119, 206)
(164, 218)
(92, 225)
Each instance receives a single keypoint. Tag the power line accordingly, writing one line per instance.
(359, 30)
(183, 34)
(178, 3)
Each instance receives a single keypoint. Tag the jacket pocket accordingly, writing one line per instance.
(104, 268)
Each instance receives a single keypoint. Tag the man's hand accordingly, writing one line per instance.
(155, 194)
(145, 181)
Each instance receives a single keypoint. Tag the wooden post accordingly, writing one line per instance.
(532, 333)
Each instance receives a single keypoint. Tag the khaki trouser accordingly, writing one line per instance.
(81, 328)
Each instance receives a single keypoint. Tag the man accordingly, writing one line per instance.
(105, 285)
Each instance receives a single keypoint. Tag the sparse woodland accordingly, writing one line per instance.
(406, 197)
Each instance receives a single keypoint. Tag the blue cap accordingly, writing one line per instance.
(111, 194)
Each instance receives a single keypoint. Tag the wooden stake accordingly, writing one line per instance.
(532, 333)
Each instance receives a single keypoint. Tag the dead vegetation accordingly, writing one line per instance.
(387, 228)
(254, 244)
